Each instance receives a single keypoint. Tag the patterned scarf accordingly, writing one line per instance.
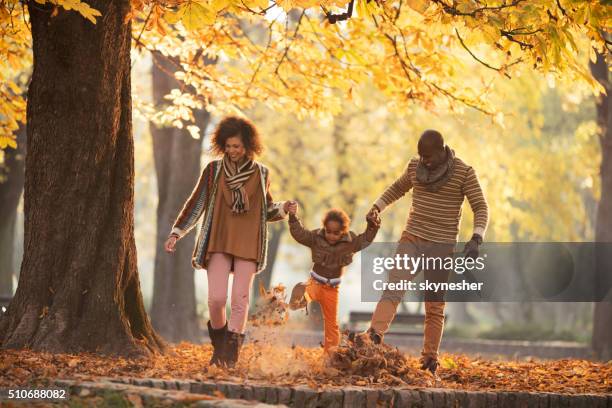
(434, 179)
(236, 176)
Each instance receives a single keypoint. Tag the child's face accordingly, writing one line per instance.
(333, 231)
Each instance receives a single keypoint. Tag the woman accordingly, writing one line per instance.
(233, 194)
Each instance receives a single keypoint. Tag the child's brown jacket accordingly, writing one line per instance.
(329, 260)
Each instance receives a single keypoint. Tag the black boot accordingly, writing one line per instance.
(377, 338)
(217, 339)
(360, 339)
(233, 343)
(429, 363)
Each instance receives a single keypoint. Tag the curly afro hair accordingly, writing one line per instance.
(232, 126)
(338, 215)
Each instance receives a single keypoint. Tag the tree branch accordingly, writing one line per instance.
(455, 12)
(297, 28)
(478, 59)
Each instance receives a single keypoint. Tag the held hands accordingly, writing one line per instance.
(170, 244)
(291, 207)
(373, 217)
(374, 211)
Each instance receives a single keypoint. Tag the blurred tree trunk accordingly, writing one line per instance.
(602, 316)
(78, 287)
(343, 166)
(177, 166)
(264, 278)
(460, 314)
(11, 187)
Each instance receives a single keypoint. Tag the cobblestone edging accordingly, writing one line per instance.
(302, 397)
(112, 393)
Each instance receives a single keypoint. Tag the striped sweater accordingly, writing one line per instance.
(435, 216)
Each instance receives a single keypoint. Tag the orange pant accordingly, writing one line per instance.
(328, 299)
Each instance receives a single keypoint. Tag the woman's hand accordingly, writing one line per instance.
(170, 244)
(291, 207)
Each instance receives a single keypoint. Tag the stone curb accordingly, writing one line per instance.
(153, 394)
(361, 397)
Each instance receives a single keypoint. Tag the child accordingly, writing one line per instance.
(332, 250)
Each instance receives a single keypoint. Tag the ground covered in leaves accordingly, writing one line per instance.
(367, 366)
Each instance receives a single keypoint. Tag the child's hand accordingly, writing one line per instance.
(373, 218)
(292, 207)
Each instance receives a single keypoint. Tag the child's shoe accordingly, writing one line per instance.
(298, 297)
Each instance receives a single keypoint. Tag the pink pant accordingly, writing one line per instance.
(218, 278)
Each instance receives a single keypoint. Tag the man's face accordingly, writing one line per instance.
(432, 157)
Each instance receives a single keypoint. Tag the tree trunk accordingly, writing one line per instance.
(343, 167)
(265, 277)
(78, 287)
(11, 187)
(177, 166)
(602, 317)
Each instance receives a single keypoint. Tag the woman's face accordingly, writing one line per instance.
(235, 149)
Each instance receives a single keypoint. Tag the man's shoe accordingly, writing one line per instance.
(377, 338)
(369, 335)
(217, 339)
(429, 363)
(298, 297)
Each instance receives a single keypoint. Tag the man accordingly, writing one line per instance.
(439, 181)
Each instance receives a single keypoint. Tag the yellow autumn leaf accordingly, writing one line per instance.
(418, 5)
(173, 17)
(448, 363)
(257, 3)
(218, 5)
(7, 141)
(197, 15)
(82, 8)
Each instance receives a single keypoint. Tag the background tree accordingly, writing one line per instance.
(61, 300)
(177, 166)
(11, 188)
(602, 319)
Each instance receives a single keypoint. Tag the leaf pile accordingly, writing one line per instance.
(290, 366)
(379, 363)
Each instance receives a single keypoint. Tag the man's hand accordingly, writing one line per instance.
(471, 247)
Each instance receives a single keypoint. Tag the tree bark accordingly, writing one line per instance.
(265, 277)
(78, 288)
(602, 316)
(11, 187)
(177, 166)
(343, 168)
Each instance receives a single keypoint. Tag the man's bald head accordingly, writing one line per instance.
(431, 149)
(430, 142)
